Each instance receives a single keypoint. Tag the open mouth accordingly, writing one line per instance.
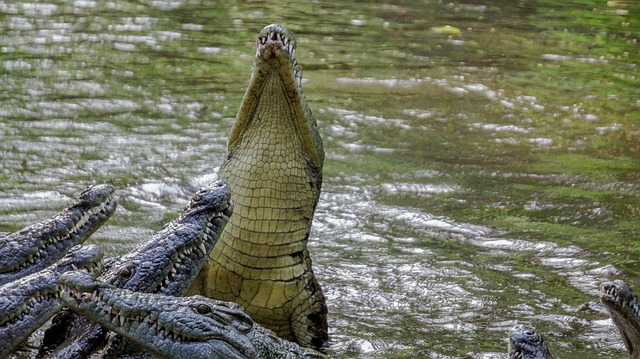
(276, 36)
(618, 294)
(197, 250)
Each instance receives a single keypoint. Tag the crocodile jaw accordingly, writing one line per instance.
(169, 326)
(27, 304)
(624, 309)
(275, 60)
(41, 244)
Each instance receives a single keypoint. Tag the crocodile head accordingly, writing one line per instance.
(27, 303)
(175, 327)
(275, 90)
(624, 307)
(526, 343)
(213, 202)
(167, 263)
(170, 260)
(39, 245)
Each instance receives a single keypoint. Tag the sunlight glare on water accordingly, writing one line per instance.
(481, 159)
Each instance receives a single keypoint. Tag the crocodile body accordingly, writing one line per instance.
(27, 303)
(526, 343)
(40, 245)
(274, 168)
(177, 327)
(167, 264)
(624, 309)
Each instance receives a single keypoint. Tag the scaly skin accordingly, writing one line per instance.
(526, 343)
(27, 303)
(41, 244)
(176, 327)
(166, 264)
(623, 306)
(274, 168)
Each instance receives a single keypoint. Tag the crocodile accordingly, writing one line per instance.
(623, 307)
(274, 168)
(41, 244)
(27, 303)
(167, 263)
(177, 327)
(526, 343)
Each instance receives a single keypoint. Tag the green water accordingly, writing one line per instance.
(482, 157)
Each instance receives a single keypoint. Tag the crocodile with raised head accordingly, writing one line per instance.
(624, 308)
(526, 343)
(41, 244)
(167, 263)
(27, 303)
(176, 327)
(274, 168)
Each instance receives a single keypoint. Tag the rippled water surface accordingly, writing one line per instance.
(482, 157)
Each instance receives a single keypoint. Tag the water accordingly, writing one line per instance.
(482, 157)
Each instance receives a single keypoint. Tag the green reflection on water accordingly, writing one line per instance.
(530, 113)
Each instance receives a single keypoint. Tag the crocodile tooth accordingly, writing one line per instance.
(121, 317)
(74, 266)
(202, 248)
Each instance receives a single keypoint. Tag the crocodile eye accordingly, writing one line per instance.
(202, 308)
(126, 272)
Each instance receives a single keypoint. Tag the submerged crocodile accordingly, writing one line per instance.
(27, 303)
(274, 168)
(624, 307)
(176, 327)
(526, 343)
(167, 264)
(41, 244)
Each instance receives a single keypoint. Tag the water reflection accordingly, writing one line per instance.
(481, 158)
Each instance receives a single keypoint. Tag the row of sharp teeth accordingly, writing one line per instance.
(292, 51)
(28, 307)
(74, 229)
(181, 256)
(281, 38)
(89, 214)
(42, 297)
(118, 318)
(612, 292)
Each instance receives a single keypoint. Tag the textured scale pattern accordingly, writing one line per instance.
(261, 260)
(262, 253)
